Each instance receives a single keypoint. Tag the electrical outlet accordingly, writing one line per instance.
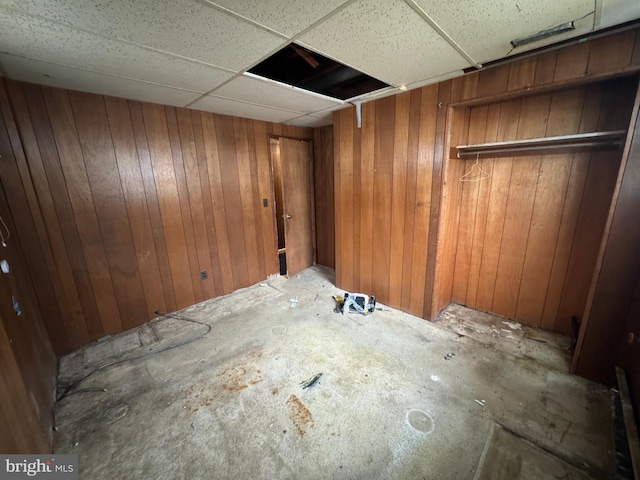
(204, 275)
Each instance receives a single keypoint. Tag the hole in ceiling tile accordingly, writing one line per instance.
(302, 68)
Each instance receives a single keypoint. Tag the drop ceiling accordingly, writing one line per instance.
(195, 53)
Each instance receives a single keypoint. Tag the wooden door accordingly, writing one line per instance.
(296, 180)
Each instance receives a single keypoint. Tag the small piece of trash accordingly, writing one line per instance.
(294, 302)
(263, 285)
(194, 426)
(513, 325)
(507, 334)
(435, 378)
(311, 381)
(449, 356)
(479, 402)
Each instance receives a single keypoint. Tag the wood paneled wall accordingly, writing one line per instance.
(397, 201)
(324, 195)
(127, 202)
(629, 351)
(579, 64)
(27, 363)
(386, 175)
(528, 235)
(613, 310)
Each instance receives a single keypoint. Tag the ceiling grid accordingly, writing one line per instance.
(196, 53)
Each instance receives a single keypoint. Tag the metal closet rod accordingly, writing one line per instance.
(578, 141)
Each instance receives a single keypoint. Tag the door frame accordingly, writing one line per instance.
(312, 194)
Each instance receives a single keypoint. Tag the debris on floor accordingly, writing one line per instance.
(506, 335)
(339, 303)
(231, 405)
(449, 356)
(311, 381)
(355, 303)
(294, 302)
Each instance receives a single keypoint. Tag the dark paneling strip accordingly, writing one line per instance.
(611, 299)
(129, 169)
(185, 203)
(77, 185)
(169, 202)
(86, 322)
(153, 205)
(415, 114)
(357, 207)
(444, 97)
(324, 198)
(22, 198)
(247, 204)
(382, 194)
(429, 111)
(401, 144)
(227, 156)
(27, 363)
(207, 203)
(266, 191)
(192, 192)
(102, 171)
(346, 215)
(215, 182)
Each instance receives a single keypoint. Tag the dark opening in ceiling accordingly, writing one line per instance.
(299, 67)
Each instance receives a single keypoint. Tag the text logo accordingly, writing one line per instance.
(50, 467)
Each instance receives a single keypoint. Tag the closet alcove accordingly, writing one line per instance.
(529, 185)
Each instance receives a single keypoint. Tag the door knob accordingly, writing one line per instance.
(288, 215)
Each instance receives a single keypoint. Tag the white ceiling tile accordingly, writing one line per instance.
(43, 40)
(35, 71)
(226, 106)
(309, 121)
(271, 94)
(484, 29)
(92, 45)
(187, 28)
(328, 112)
(619, 11)
(288, 17)
(438, 79)
(387, 40)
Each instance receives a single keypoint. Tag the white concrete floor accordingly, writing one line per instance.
(388, 405)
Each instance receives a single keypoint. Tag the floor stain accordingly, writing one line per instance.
(299, 414)
(197, 396)
(233, 379)
(239, 377)
(242, 375)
